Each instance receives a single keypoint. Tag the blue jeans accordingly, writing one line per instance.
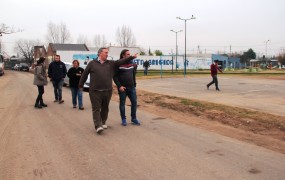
(131, 93)
(145, 70)
(76, 93)
(57, 87)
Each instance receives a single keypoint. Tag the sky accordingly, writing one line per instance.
(220, 25)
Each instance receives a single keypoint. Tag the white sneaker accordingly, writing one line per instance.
(99, 130)
(105, 126)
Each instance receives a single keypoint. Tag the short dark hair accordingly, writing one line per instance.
(101, 50)
(57, 55)
(216, 60)
(123, 52)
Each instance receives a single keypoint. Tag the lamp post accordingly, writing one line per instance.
(185, 40)
(176, 47)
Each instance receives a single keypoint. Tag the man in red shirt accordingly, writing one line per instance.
(214, 74)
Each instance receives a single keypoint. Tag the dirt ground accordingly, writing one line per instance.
(262, 129)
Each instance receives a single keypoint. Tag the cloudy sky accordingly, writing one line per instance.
(219, 24)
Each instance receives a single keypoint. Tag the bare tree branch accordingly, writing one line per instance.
(26, 48)
(8, 30)
(64, 33)
(58, 33)
(125, 36)
(82, 39)
(100, 40)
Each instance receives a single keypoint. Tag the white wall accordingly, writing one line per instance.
(156, 62)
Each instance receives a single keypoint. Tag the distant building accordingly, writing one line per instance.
(39, 51)
(54, 48)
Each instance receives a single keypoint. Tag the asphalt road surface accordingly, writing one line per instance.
(59, 142)
(258, 94)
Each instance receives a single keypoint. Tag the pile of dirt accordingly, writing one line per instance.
(252, 126)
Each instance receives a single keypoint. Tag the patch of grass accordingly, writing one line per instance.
(232, 116)
(185, 101)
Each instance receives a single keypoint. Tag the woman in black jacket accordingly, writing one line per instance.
(74, 75)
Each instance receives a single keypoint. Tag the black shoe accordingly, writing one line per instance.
(61, 101)
(207, 87)
(217, 89)
(43, 105)
(38, 106)
(81, 108)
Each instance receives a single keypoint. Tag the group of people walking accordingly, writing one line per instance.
(102, 72)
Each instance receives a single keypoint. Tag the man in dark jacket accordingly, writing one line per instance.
(57, 73)
(125, 79)
(100, 91)
(214, 74)
(146, 66)
(74, 75)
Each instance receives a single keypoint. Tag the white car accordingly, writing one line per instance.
(68, 65)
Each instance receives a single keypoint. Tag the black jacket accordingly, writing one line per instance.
(73, 79)
(126, 76)
(56, 70)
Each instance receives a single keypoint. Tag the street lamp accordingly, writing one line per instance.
(185, 40)
(176, 46)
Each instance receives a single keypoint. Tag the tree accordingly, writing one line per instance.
(248, 55)
(149, 52)
(4, 29)
(281, 58)
(82, 39)
(158, 53)
(58, 33)
(25, 48)
(125, 37)
(100, 40)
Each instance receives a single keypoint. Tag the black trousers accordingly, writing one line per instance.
(41, 91)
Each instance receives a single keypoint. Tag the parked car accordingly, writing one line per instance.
(16, 67)
(23, 67)
(66, 79)
(1, 65)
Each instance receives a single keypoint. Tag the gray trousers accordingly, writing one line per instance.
(100, 106)
(215, 80)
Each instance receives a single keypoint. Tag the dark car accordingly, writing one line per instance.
(23, 67)
(1, 65)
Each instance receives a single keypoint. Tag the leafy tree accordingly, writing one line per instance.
(248, 55)
(149, 52)
(158, 53)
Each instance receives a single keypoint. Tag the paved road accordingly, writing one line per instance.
(258, 94)
(59, 142)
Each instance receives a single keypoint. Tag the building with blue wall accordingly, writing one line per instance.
(225, 61)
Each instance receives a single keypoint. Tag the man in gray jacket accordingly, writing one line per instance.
(100, 91)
